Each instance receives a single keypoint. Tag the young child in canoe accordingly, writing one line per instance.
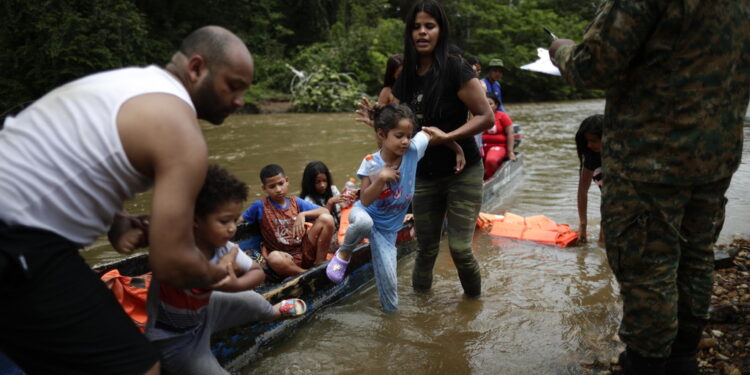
(288, 246)
(318, 188)
(181, 321)
(388, 178)
(589, 148)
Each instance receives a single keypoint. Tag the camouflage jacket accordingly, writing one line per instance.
(677, 78)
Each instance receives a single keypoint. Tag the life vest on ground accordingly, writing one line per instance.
(537, 228)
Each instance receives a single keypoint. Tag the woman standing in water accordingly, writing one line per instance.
(440, 89)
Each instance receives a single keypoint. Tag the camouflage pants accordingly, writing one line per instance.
(660, 247)
(457, 199)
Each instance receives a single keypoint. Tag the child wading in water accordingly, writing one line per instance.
(181, 321)
(589, 148)
(388, 178)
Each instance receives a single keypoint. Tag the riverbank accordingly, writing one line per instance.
(725, 347)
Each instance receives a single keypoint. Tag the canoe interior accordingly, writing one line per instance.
(236, 347)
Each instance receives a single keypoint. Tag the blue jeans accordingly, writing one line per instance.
(383, 250)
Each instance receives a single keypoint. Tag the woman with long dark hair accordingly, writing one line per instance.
(440, 89)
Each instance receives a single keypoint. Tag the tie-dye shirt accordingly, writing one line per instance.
(388, 210)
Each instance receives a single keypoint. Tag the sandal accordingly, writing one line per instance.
(292, 308)
(336, 268)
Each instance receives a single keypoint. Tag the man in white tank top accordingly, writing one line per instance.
(67, 163)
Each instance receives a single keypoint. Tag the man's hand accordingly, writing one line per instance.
(555, 45)
(128, 233)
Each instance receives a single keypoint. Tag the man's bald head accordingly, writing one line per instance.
(213, 43)
(216, 68)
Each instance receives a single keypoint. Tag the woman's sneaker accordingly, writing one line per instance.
(336, 268)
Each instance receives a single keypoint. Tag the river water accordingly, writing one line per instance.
(544, 309)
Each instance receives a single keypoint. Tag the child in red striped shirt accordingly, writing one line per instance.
(181, 321)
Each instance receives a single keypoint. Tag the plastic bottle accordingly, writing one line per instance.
(351, 184)
(350, 191)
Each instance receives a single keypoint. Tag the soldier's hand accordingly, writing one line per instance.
(555, 45)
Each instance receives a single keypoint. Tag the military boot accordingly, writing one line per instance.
(633, 363)
(683, 359)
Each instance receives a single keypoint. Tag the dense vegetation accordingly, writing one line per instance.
(344, 42)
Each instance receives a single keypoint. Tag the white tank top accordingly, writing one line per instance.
(62, 165)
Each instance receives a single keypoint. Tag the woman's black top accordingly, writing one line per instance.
(451, 113)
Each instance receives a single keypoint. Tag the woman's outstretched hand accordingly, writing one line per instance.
(363, 113)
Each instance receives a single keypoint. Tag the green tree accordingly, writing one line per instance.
(45, 44)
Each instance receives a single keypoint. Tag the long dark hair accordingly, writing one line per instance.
(312, 170)
(391, 66)
(491, 95)
(408, 79)
(592, 124)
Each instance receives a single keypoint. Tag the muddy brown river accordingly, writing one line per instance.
(544, 309)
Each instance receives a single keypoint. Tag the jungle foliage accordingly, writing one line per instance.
(46, 43)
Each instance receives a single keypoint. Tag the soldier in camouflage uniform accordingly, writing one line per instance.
(677, 78)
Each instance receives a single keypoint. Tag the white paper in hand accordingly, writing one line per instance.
(543, 65)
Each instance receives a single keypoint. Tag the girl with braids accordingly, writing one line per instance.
(387, 189)
(440, 89)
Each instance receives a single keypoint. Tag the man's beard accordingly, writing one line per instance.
(208, 105)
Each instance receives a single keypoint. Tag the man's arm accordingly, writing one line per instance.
(162, 139)
(615, 37)
(584, 182)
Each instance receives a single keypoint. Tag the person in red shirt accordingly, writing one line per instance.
(497, 141)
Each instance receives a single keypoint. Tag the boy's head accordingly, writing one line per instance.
(218, 207)
(275, 182)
